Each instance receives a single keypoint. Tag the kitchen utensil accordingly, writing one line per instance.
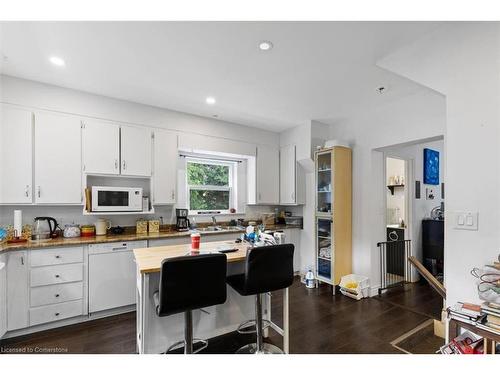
(154, 226)
(195, 241)
(182, 219)
(117, 230)
(71, 231)
(44, 228)
(18, 222)
(145, 204)
(141, 226)
(102, 226)
(87, 230)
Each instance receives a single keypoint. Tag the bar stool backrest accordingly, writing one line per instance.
(268, 268)
(192, 282)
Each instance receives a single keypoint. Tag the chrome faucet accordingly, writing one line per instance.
(214, 221)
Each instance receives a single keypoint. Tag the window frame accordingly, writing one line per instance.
(232, 176)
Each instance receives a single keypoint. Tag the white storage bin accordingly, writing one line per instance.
(362, 289)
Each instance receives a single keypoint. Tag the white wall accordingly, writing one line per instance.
(414, 117)
(36, 95)
(461, 60)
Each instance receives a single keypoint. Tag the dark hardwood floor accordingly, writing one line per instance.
(319, 323)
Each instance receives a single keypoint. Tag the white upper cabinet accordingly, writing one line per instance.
(101, 147)
(16, 155)
(136, 151)
(58, 157)
(165, 167)
(292, 179)
(267, 175)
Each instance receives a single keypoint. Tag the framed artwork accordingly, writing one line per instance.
(431, 167)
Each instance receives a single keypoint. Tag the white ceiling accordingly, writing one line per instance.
(316, 71)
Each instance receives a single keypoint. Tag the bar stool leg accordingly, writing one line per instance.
(188, 332)
(258, 322)
(259, 347)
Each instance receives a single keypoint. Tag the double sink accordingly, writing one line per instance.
(218, 228)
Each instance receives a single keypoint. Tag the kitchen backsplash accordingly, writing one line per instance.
(73, 214)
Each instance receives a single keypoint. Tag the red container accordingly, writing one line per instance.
(195, 241)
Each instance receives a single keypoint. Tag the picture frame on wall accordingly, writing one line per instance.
(431, 167)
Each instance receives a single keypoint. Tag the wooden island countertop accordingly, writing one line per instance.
(149, 259)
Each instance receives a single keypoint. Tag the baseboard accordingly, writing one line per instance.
(68, 322)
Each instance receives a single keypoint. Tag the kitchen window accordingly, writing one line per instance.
(210, 185)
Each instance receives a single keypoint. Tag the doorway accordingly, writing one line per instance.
(414, 210)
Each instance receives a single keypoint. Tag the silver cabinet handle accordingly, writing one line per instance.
(22, 260)
(293, 196)
(27, 191)
(173, 194)
(260, 196)
(116, 163)
(57, 276)
(124, 165)
(56, 314)
(57, 296)
(38, 191)
(58, 256)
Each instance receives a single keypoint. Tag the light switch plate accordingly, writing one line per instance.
(466, 220)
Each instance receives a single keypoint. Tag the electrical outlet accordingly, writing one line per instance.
(429, 193)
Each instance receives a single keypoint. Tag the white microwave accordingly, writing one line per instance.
(112, 198)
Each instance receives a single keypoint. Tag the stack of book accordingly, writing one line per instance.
(467, 313)
(491, 321)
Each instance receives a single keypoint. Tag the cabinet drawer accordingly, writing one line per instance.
(56, 274)
(51, 313)
(50, 294)
(62, 255)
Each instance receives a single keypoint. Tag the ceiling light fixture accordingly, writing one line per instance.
(265, 45)
(57, 61)
(210, 100)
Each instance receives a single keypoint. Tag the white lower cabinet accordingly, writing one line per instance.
(65, 273)
(51, 294)
(56, 280)
(112, 275)
(3, 295)
(17, 290)
(51, 313)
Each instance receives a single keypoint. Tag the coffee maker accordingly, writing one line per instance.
(182, 219)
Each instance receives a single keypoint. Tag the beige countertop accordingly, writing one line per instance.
(60, 241)
(149, 259)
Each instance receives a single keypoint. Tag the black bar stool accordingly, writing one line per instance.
(267, 268)
(188, 283)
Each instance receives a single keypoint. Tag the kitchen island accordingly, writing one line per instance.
(155, 334)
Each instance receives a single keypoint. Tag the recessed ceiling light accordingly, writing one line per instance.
(57, 61)
(210, 100)
(265, 45)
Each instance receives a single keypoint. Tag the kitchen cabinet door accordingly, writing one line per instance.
(17, 290)
(268, 176)
(58, 165)
(16, 155)
(165, 167)
(288, 175)
(136, 151)
(101, 147)
(3, 295)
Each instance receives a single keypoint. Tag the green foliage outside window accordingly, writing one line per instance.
(203, 175)
(207, 174)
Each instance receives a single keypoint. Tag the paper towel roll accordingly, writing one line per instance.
(18, 222)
